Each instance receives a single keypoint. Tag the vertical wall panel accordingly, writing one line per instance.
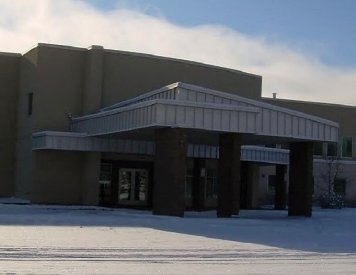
(160, 113)
(216, 119)
(209, 98)
(189, 116)
(182, 94)
(266, 121)
(281, 124)
(315, 128)
(191, 95)
(309, 130)
(273, 118)
(180, 115)
(225, 120)
(251, 122)
(295, 126)
(242, 122)
(199, 121)
(226, 101)
(327, 132)
(170, 114)
(208, 118)
(130, 119)
(150, 118)
(234, 121)
(200, 97)
(301, 123)
(217, 100)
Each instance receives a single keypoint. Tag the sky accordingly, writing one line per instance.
(304, 49)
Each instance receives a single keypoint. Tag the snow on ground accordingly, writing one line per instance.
(39, 239)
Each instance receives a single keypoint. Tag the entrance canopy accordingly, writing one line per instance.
(182, 120)
(181, 105)
(128, 126)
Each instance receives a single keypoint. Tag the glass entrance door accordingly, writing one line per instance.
(133, 185)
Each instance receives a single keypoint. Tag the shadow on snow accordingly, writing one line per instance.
(328, 231)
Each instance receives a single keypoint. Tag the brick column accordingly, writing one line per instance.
(280, 197)
(300, 179)
(229, 175)
(198, 188)
(169, 172)
(252, 172)
(243, 185)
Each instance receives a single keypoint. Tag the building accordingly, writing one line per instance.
(330, 159)
(96, 126)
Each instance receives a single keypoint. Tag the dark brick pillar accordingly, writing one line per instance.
(229, 175)
(300, 179)
(198, 188)
(280, 197)
(244, 185)
(169, 172)
(249, 193)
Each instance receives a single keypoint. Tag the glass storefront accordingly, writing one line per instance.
(125, 183)
(128, 183)
(133, 184)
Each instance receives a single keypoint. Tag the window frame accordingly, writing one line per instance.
(342, 146)
(336, 149)
(322, 144)
(211, 190)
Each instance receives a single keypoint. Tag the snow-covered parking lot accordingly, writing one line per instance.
(38, 239)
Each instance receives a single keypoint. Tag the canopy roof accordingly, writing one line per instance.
(197, 108)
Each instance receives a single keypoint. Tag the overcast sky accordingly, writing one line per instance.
(304, 50)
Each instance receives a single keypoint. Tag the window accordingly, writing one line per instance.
(346, 147)
(332, 150)
(318, 148)
(29, 103)
(133, 186)
(340, 186)
(211, 184)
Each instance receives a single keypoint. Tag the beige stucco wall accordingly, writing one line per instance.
(27, 84)
(127, 75)
(75, 81)
(55, 79)
(9, 77)
(56, 177)
(68, 81)
(62, 177)
(90, 172)
(59, 87)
